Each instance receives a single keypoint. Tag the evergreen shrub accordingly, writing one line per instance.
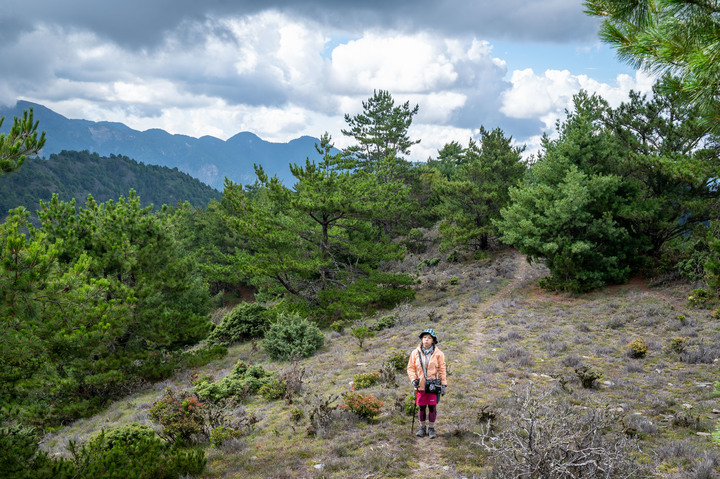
(273, 389)
(145, 458)
(20, 456)
(588, 376)
(637, 348)
(386, 322)
(242, 381)
(361, 333)
(398, 360)
(122, 435)
(246, 321)
(292, 337)
(365, 380)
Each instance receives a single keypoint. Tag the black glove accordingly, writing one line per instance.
(416, 383)
(443, 387)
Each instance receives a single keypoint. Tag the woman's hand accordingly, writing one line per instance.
(416, 383)
(443, 387)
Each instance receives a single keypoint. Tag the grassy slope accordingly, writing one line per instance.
(499, 333)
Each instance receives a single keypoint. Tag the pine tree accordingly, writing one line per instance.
(20, 141)
(478, 190)
(317, 242)
(676, 37)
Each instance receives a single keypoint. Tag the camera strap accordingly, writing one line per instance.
(424, 366)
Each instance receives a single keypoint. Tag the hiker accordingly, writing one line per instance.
(427, 372)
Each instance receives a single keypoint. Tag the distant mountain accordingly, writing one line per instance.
(73, 174)
(209, 159)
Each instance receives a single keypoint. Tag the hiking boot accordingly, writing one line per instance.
(421, 432)
(431, 433)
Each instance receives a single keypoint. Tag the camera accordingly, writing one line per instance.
(433, 386)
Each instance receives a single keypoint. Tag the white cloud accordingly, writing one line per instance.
(400, 63)
(547, 96)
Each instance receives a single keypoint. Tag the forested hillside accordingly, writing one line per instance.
(73, 174)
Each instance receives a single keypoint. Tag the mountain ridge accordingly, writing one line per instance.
(208, 158)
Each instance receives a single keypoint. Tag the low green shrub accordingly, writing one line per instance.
(273, 389)
(242, 381)
(365, 380)
(409, 405)
(453, 257)
(122, 435)
(364, 406)
(637, 348)
(292, 337)
(145, 458)
(246, 321)
(220, 434)
(386, 322)
(454, 280)
(398, 360)
(588, 376)
(430, 263)
(361, 333)
(678, 344)
(698, 298)
(338, 326)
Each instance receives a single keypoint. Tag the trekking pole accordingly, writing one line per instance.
(412, 426)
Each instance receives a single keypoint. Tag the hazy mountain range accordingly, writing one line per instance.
(208, 159)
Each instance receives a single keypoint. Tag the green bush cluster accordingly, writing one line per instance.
(698, 298)
(146, 457)
(430, 263)
(409, 405)
(386, 322)
(637, 348)
(398, 360)
(20, 456)
(365, 380)
(292, 337)
(242, 381)
(274, 389)
(361, 333)
(588, 376)
(117, 453)
(246, 321)
(123, 435)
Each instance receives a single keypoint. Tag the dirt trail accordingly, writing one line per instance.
(433, 453)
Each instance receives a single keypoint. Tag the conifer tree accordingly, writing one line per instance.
(317, 242)
(478, 190)
(20, 141)
(676, 37)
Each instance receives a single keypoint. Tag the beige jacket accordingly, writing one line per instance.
(435, 369)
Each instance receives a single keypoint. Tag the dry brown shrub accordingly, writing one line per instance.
(543, 438)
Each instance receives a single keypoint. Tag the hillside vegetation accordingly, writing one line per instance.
(74, 174)
(513, 352)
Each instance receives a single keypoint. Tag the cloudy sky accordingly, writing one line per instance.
(286, 68)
